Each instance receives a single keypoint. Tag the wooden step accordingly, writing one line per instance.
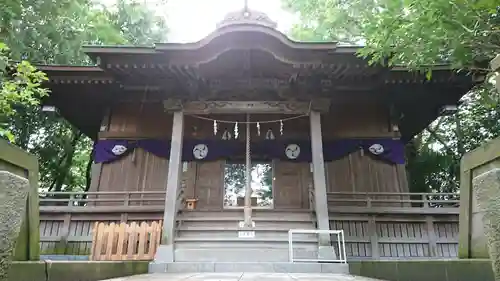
(195, 227)
(221, 218)
(243, 240)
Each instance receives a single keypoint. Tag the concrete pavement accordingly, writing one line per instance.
(243, 276)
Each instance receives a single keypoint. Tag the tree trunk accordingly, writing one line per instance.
(88, 170)
(68, 160)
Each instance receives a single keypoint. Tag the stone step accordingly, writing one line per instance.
(256, 214)
(264, 267)
(240, 244)
(243, 254)
(234, 224)
(233, 234)
(235, 227)
(223, 217)
(237, 240)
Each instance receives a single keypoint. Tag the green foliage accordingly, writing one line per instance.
(20, 84)
(234, 180)
(53, 32)
(131, 17)
(417, 34)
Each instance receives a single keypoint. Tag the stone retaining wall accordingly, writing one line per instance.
(425, 270)
(74, 270)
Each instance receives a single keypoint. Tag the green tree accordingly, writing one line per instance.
(20, 85)
(53, 32)
(417, 34)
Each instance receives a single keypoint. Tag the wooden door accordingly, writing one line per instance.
(290, 180)
(209, 185)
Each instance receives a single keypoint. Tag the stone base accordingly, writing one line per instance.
(326, 253)
(164, 254)
(276, 267)
(233, 254)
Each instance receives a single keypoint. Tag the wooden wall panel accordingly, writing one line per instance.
(137, 171)
(358, 172)
(209, 185)
(353, 173)
(346, 121)
(356, 121)
(155, 176)
(290, 185)
(147, 120)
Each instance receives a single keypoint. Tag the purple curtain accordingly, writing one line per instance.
(390, 150)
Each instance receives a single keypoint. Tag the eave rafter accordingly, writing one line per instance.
(80, 80)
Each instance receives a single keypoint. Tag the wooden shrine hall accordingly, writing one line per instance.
(246, 134)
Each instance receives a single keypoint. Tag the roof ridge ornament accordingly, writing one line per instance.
(247, 16)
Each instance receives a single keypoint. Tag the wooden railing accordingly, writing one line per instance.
(409, 200)
(111, 198)
(361, 199)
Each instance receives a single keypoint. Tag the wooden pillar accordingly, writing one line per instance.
(165, 252)
(372, 231)
(431, 233)
(96, 168)
(319, 182)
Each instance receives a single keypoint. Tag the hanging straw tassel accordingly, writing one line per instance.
(269, 135)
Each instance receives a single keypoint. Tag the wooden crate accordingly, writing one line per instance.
(115, 242)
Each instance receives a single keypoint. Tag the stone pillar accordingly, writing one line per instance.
(165, 252)
(486, 189)
(325, 250)
(472, 242)
(13, 197)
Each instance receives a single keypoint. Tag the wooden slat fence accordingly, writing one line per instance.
(399, 237)
(424, 227)
(123, 241)
(386, 225)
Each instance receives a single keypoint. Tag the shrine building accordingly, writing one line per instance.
(237, 138)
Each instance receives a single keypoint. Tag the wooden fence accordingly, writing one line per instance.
(418, 226)
(125, 242)
(396, 225)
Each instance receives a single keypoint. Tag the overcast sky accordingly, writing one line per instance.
(191, 20)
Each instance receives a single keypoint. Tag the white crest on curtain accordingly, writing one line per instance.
(292, 151)
(118, 149)
(376, 149)
(200, 151)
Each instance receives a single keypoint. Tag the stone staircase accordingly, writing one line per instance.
(212, 236)
(207, 241)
